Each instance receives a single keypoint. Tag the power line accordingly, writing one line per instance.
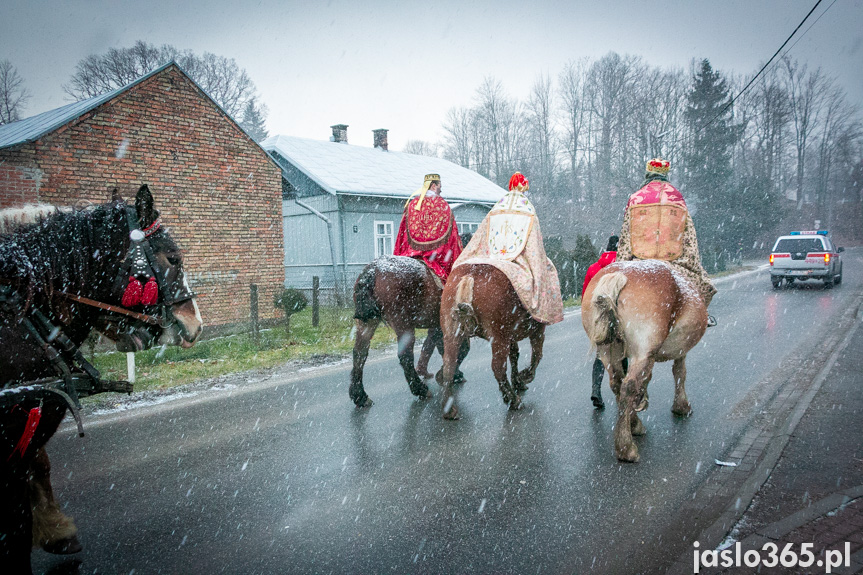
(734, 99)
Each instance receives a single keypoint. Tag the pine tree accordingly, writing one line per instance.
(708, 182)
(254, 118)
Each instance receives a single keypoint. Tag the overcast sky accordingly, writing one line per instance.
(401, 65)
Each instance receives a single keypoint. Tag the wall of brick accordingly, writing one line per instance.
(219, 194)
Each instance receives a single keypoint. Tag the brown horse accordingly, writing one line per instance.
(405, 294)
(478, 300)
(644, 312)
(60, 276)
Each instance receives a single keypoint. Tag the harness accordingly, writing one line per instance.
(76, 376)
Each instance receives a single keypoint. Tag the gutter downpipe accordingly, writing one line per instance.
(329, 223)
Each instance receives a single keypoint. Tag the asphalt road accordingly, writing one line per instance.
(286, 476)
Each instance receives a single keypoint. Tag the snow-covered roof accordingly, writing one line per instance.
(357, 170)
(33, 128)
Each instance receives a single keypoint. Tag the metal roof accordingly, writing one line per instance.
(357, 170)
(33, 128)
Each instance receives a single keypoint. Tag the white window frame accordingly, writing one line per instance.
(474, 226)
(382, 238)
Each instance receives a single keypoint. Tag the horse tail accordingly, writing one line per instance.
(365, 304)
(464, 314)
(604, 302)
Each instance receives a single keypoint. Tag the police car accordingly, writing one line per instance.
(806, 255)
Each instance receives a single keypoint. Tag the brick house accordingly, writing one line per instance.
(219, 192)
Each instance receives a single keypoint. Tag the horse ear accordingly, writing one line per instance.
(144, 206)
(115, 195)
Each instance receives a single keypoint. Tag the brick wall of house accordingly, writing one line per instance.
(219, 194)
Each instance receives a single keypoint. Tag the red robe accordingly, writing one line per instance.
(607, 258)
(433, 236)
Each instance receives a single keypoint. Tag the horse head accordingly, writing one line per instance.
(150, 282)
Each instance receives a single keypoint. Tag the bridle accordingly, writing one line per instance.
(140, 262)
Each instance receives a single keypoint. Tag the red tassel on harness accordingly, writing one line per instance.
(132, 295)
(151, 293)
(29, 430)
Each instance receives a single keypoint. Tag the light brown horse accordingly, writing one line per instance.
(644, 311)
(478, 300)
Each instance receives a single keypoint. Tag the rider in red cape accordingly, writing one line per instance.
(607, 258)
(657, 225)
(428, 230)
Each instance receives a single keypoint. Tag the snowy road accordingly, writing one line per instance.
(286, 476)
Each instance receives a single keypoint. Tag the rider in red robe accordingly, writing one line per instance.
(428, 230)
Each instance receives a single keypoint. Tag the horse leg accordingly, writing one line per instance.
(406, 338)
(16, 520)
(453, 344)
(52, 530)
(458, 377)
(365, 331)
(631, 395)
(681, 404)
(513, 362)
(596, 390)
(433, 340)
(537, 339)
(500, 350)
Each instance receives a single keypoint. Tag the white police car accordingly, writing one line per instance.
(806, 255)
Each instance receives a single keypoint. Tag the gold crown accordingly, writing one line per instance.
(431, 177)
(658, 166)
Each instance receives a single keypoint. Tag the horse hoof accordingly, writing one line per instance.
(629, 455)
(423, 393)
(66, 546)
(597, 402)
(525, 376)
(682, 411)
(642, 405)
(515, 404)
(363, 403)
(424, 374)
(459, 378)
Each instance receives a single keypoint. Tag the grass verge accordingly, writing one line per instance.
(171, 366)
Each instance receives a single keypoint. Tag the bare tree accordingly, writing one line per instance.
(421, 148)
(543, 137)
(804, 93)
(501, 126)
(221, 77)
(458, 140)
(13, 95)
(571, 86)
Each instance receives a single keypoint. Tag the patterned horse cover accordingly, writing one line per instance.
(531, 273)
(429, 227)
(509, 225)
(658, 220)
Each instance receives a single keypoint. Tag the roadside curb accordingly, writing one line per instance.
(758, 451)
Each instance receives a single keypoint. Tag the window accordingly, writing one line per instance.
(383, 239)
(799, 245)
(467, 227)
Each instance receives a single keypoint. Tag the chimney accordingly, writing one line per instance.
(340, 134)
(381, 139)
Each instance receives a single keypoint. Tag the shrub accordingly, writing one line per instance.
(290, 301)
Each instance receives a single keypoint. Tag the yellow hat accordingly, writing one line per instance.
(422, 191)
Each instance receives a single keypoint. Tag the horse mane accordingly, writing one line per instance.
(12, 219)
(44, 249)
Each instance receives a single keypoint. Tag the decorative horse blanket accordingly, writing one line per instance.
(513, 244)
(429, 234)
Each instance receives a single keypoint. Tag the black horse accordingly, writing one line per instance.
(112, 267)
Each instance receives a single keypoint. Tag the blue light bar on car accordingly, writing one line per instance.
(809, 233)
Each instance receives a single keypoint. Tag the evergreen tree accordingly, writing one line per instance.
(708, 169)
(253, 122)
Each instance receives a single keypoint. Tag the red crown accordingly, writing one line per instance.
(518, 182)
